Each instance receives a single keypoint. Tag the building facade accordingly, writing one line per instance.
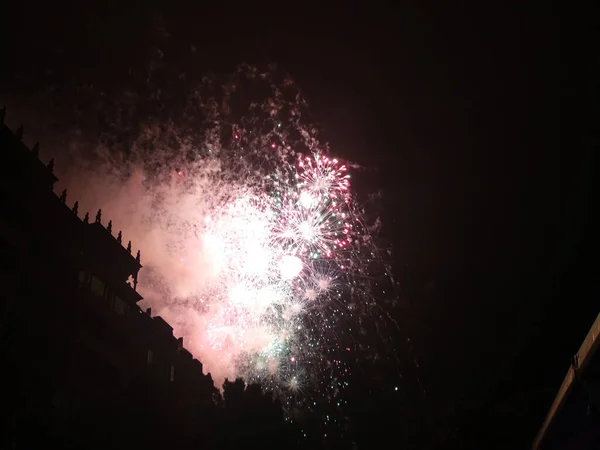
(85, 366)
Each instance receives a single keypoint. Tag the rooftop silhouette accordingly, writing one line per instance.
(88, 368)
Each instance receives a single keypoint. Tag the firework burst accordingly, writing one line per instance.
(273, 260)
(254, 246)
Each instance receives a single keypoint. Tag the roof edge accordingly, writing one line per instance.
(580, 361)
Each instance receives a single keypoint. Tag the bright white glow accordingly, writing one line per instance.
(290, 267)
(307, 200)
(306, 230)
(238, 294)
(214, 253)
(265, 298)
(257, 258)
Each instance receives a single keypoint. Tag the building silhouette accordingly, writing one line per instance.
(83, 365)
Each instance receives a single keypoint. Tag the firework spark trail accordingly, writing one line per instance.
(254, 249)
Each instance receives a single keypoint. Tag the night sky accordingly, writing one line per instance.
(456, 113)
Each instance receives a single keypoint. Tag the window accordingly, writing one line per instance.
(97, 287)
(119, 306)
(150, 356)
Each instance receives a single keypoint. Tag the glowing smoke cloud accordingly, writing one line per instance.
(253, 247)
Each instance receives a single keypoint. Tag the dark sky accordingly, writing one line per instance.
(459, 113)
